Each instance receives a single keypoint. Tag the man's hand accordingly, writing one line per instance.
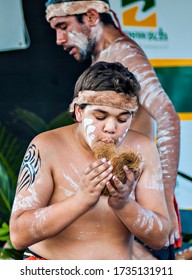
(174, 233)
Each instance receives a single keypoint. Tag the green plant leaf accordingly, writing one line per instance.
(5, 200)
(5, 226)
(32, 120)
(62, 119)
(7, 192)
(4, 238)
(11, 153)
(4, 232)
(7, 254)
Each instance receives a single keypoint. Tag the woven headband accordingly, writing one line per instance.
(105, 98)
(72, 8)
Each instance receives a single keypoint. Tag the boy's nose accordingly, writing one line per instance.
(110, 127)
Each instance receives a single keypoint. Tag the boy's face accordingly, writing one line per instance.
(104, 123)
(72, 35)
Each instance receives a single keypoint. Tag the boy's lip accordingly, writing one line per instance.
(108, 141)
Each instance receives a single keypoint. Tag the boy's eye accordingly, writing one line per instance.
(100, 118)
(122, 120)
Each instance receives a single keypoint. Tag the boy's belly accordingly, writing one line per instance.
(105, 248)
(99, 234)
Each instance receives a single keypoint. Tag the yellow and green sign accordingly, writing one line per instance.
(159, 27)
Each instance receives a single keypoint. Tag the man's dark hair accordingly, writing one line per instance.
(105, 18)
(105, 76)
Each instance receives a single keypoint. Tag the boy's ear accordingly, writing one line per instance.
(78, 113)
(92, 17)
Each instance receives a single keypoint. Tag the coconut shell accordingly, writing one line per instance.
(130, 158)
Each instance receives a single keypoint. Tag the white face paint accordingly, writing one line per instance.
(80, 41)
(120, 139)
(96, 32)
(88, 130)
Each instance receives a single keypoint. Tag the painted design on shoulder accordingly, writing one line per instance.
(29, 168)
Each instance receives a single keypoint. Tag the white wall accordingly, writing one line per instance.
(13, 31)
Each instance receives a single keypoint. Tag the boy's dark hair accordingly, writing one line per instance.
(105, 76)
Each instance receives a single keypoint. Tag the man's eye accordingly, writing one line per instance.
(64, 27)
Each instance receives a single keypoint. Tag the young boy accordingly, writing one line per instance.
(59, 211)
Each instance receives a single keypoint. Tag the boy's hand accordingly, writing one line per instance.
(119, 196)
(93, 180)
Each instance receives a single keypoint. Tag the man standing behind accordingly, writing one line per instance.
(86, 28)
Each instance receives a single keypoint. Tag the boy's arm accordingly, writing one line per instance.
(146, 216)
(157, 103)
(33, 219)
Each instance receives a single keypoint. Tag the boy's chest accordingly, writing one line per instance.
(67, 175)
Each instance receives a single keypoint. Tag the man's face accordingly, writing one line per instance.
(72, 35)
(105, 123)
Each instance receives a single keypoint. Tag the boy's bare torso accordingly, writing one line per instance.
(99, 233)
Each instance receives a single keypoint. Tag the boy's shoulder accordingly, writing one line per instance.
(137, 139)
(51, 138)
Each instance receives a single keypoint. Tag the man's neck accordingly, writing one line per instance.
(105, 36)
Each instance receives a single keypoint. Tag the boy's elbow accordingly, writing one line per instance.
(162, 239)
(16, 241)
(16, 237)
(160, 244)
